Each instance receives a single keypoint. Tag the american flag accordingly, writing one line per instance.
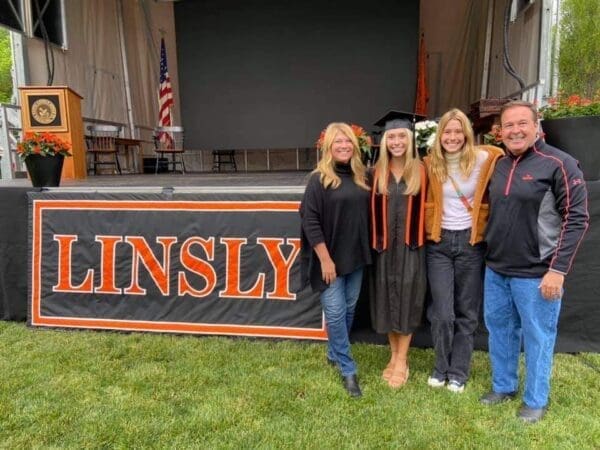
(165, 96)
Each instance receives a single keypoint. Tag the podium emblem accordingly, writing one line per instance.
(43, 111)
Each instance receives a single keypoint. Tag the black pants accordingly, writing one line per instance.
(455, 276)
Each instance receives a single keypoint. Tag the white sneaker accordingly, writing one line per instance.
(435, 382)
(455, 386)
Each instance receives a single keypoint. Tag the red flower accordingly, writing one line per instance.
(494, 137)
(45, 144)
(319, 142)
(570, 106)
(364, 140)
(357, 130)
(574, 100)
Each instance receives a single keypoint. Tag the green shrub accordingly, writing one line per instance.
(6, 88)
(578, 61)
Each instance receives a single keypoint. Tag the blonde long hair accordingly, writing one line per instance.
(436, 154)
(326, 166)
(412, 172)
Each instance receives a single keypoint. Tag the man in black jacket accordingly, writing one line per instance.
(538, 216)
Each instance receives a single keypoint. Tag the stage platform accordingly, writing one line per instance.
(580, 314)
(228, 179)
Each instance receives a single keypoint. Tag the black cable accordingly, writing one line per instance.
(506, 60)
(47, 49)
(17, 15)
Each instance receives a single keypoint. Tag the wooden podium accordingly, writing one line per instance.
(57, 110)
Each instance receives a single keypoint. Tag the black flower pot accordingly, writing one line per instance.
(44, 171)
(580, 138)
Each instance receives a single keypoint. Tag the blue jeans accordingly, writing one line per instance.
(339, 301)
(455, 273)
(514, 309)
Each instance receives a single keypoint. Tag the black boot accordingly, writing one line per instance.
(351, 385)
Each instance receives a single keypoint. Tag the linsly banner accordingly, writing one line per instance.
(185, 263)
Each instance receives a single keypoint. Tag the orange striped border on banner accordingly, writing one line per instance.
(37, 319)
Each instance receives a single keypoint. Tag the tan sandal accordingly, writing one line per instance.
(398, 378)
(387, 372)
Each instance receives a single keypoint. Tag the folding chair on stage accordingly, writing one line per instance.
(169, 141)
(101, 145)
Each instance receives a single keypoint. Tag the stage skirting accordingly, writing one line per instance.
(206, 261)
(223, 264)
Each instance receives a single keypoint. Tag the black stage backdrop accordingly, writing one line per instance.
(272, 74)
(579, 328)
(13, 253)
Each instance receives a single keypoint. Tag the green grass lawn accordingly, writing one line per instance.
(78, 389)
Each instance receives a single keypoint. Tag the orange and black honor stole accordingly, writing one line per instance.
(415, 216)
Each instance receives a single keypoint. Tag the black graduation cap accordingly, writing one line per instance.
(399, 119)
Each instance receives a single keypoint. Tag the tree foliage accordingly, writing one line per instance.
(6, 88)
(578, 59)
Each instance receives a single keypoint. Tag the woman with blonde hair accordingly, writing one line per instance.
(335, 241)
(456, 214)
(399, 283)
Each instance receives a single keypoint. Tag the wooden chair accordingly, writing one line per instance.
(101, 145)
(169, 141)
(223, 158)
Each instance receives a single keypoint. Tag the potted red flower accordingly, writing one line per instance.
(43, 154)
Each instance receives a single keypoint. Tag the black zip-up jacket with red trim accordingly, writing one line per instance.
(538, 213)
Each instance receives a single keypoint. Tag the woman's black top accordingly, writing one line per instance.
(339, 218)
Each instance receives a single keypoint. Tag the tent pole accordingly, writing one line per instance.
(488, 49)
(125, 69)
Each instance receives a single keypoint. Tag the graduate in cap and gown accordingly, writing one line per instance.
(398, 282)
